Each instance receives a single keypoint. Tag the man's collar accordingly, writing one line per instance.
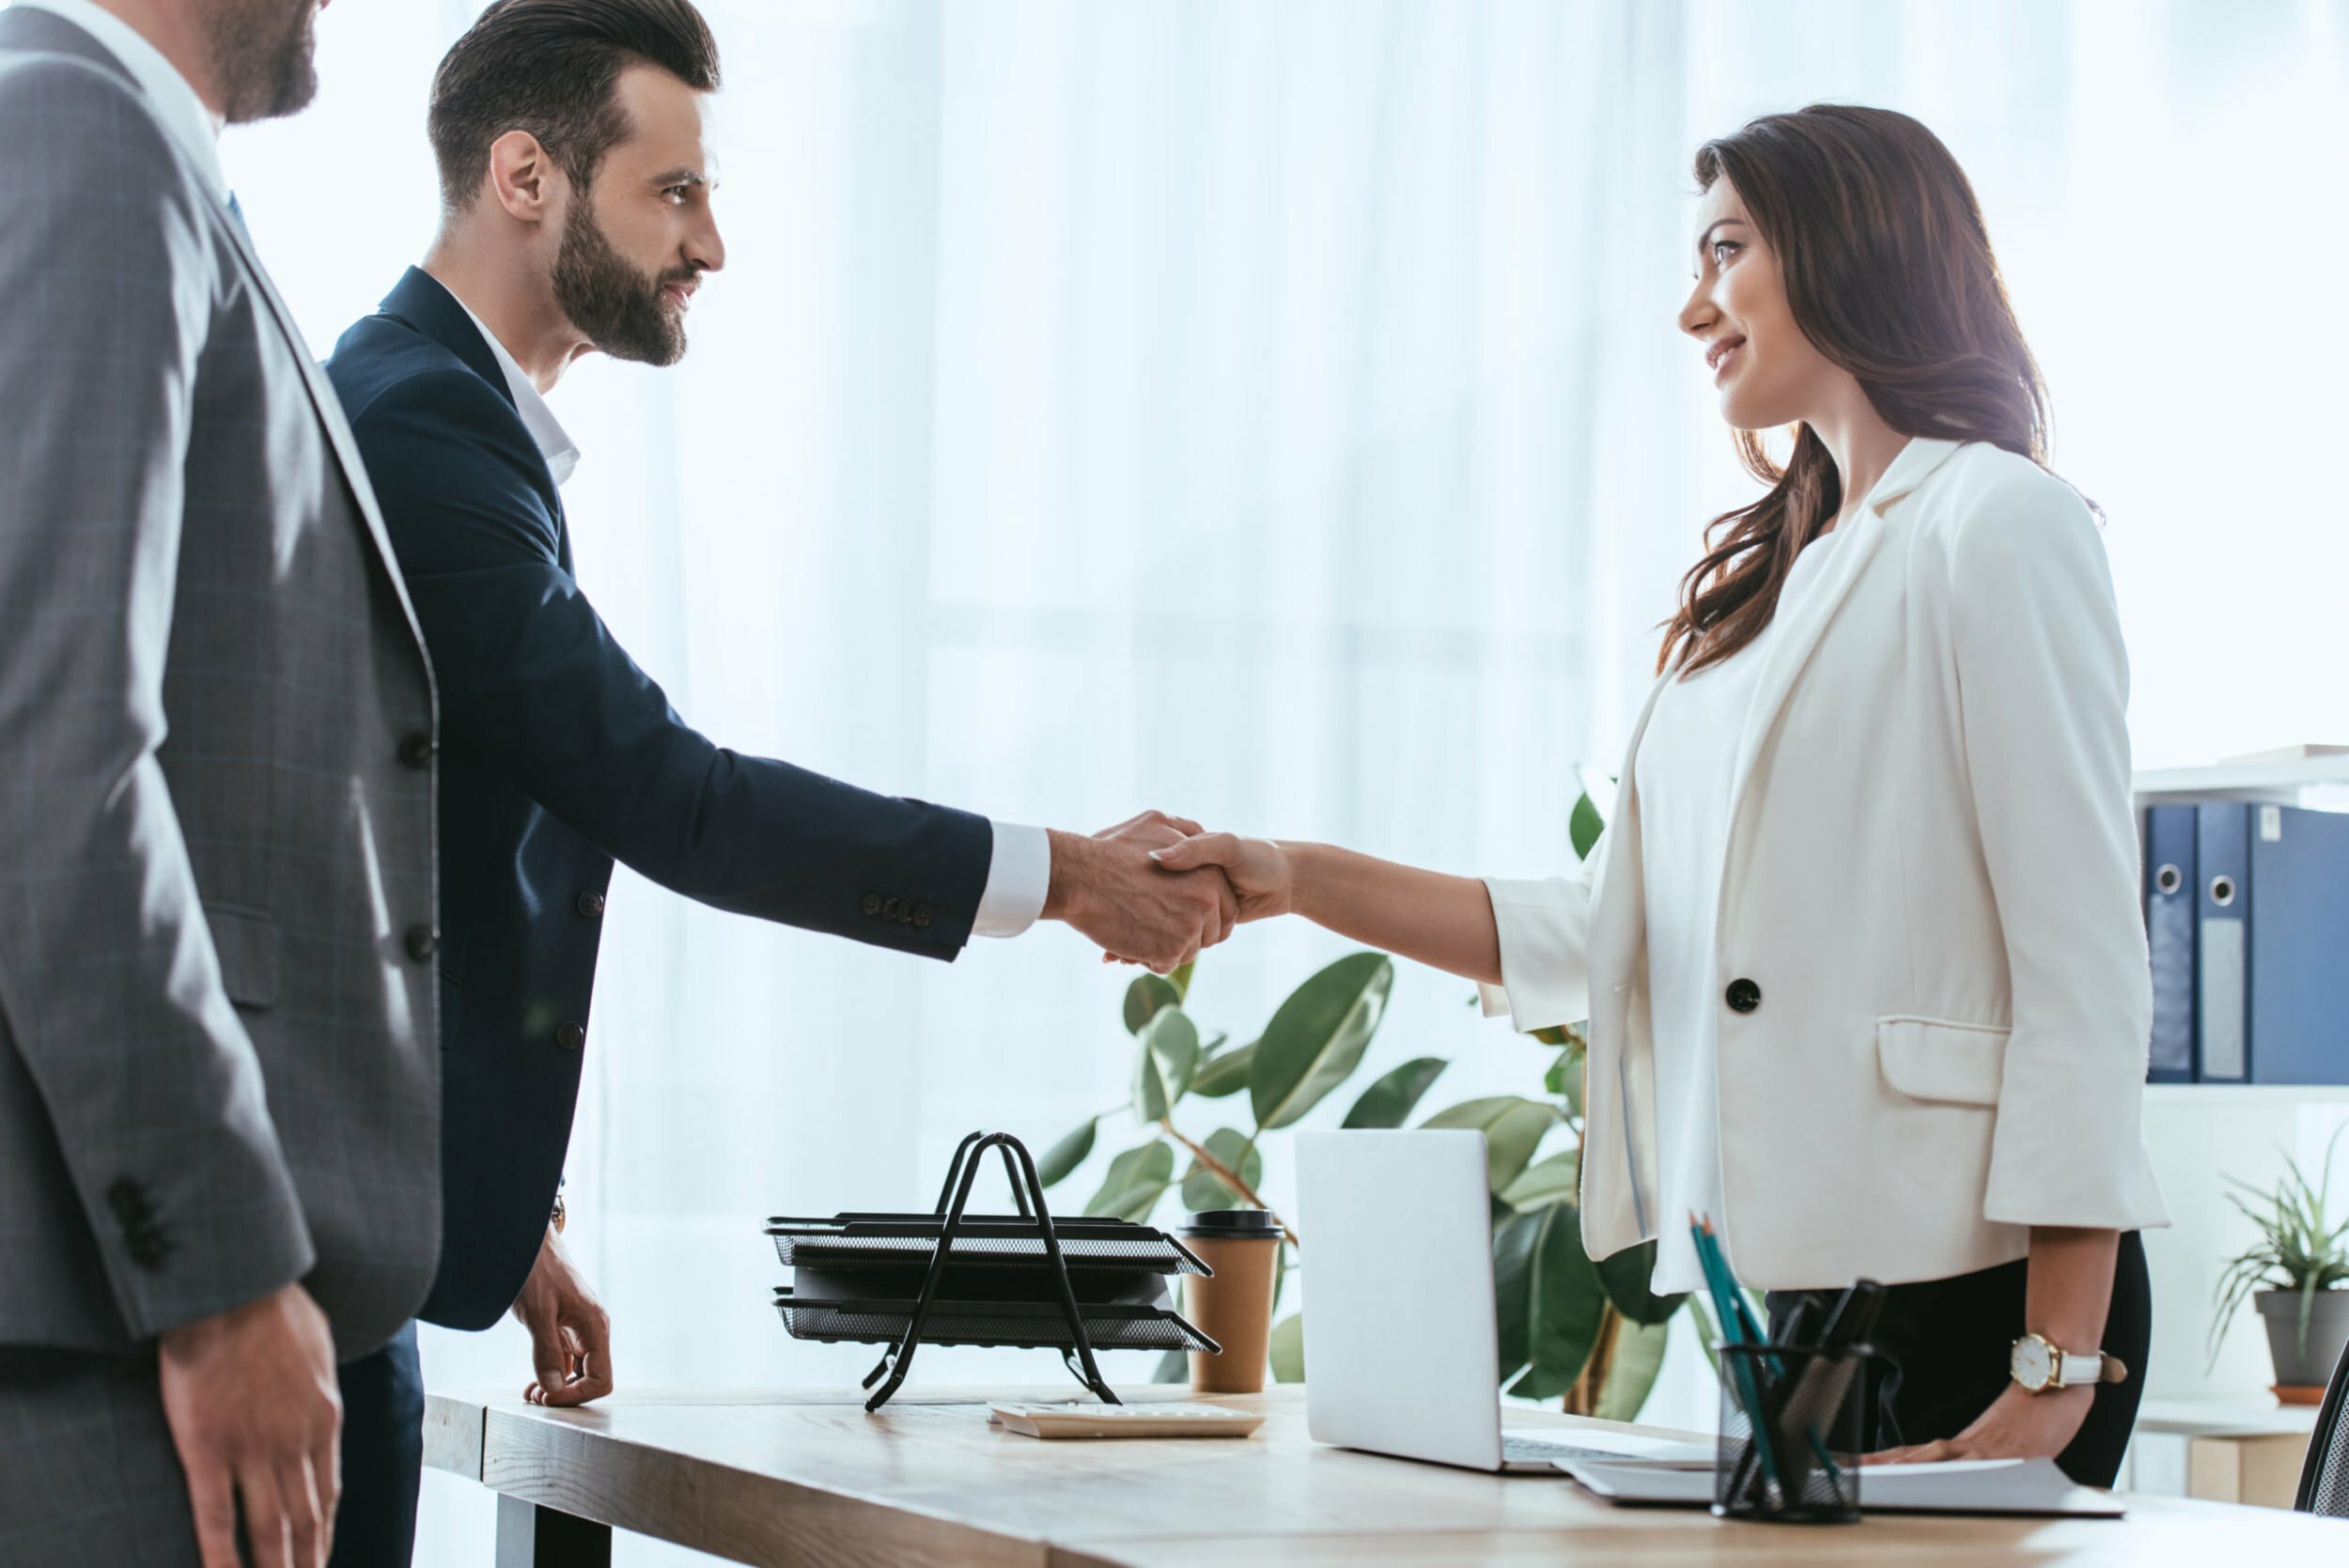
(433, 308)
(555, 443)
(174, 100)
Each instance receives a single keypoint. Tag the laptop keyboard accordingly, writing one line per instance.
(1540, 1450)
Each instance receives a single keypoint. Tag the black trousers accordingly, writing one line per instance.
(1945, 1344)
(375, 1526)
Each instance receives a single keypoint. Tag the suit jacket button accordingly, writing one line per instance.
(922, 916)
(872, 903)
(591, 903)
(128, 1200)
(416, 748)
(571, 1035)
(1743, 996)
(422, 941)
(889, 909)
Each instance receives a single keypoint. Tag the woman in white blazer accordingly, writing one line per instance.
(1860, 952)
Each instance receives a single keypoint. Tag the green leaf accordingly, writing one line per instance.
(1564, 1303)
(1513, 1127)
(1173, 1367)
(1585, 825)
(1144, 996)
(1564, 1079)
(1181, 980)
(1627, 1275)
(1169, 1060)
(1065, 1155)
(1288, 1350)
(1224, 1075)
(1318, 1036)
(1631, 1376)
(1550, 1182)
(1137, 1180)
(1390, 1102)
(1203, 1189)
(1513, 1287)
(1706, 1333)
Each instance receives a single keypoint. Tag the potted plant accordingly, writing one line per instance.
(2291, 1274)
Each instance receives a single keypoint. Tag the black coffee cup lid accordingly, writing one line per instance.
(1240, 1225)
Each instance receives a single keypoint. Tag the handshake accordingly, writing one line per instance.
(1156, 889)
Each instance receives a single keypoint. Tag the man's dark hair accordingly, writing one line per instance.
(552, 68)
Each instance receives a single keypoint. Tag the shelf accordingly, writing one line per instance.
(2249, 1415)
(2247, 1094)
(2285, 782)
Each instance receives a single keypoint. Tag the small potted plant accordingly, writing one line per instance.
(2290, 1273)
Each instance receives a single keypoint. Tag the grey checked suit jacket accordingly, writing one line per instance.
(219, 1066)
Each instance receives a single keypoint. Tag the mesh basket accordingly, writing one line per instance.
(1790, 1433)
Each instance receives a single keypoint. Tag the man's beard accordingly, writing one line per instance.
(264, 57)
(619, 309)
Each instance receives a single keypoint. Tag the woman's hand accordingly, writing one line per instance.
(2017, 1425)
(1262, 873)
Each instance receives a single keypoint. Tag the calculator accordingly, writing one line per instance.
(1124, 1421)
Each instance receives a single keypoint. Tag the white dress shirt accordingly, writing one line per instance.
(194, 126)
(1685, 769)
(1020, 871)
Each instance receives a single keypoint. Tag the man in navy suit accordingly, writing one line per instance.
(569, 135)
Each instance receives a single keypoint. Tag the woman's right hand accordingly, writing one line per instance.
(1262, 873)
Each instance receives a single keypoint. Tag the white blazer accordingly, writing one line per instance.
(1932, 884)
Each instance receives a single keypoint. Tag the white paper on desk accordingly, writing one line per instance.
(1939, 1466)
(1628, 1447)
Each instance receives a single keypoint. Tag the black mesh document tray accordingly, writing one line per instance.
(1025, 1280)
(905, 1239)
(1026, 1324)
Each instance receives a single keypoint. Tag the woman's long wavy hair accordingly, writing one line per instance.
(1889, 272)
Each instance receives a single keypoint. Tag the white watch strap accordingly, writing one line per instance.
(2077, 1370)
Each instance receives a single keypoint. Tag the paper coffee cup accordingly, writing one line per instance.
(1234, 1306)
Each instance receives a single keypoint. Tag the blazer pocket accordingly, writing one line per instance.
(246, 942)
(1939, 1059)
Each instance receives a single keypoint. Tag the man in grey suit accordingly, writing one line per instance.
(218, 1061)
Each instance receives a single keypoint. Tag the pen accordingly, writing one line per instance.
(1736, 1325)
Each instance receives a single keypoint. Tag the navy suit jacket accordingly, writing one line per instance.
(559, 756)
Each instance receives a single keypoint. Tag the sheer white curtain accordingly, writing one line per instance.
(1272, 412)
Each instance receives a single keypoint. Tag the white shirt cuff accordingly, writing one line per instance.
(1018, 876)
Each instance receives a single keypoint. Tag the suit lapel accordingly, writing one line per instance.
(1619, 919)
(329, 412)
(1797, 636)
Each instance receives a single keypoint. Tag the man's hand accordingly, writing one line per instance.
(256, 1413)
(1108, 888)
(2017, 1425)
(570, 1334)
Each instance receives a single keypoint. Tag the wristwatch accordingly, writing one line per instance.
(2040, 1368)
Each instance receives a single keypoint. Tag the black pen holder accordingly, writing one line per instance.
(1791, 1420)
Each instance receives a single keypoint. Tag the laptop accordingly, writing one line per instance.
(1402, 1342)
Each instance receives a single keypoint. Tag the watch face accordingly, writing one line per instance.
(2030, 1363)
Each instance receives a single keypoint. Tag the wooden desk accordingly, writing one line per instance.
(807, 1478)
